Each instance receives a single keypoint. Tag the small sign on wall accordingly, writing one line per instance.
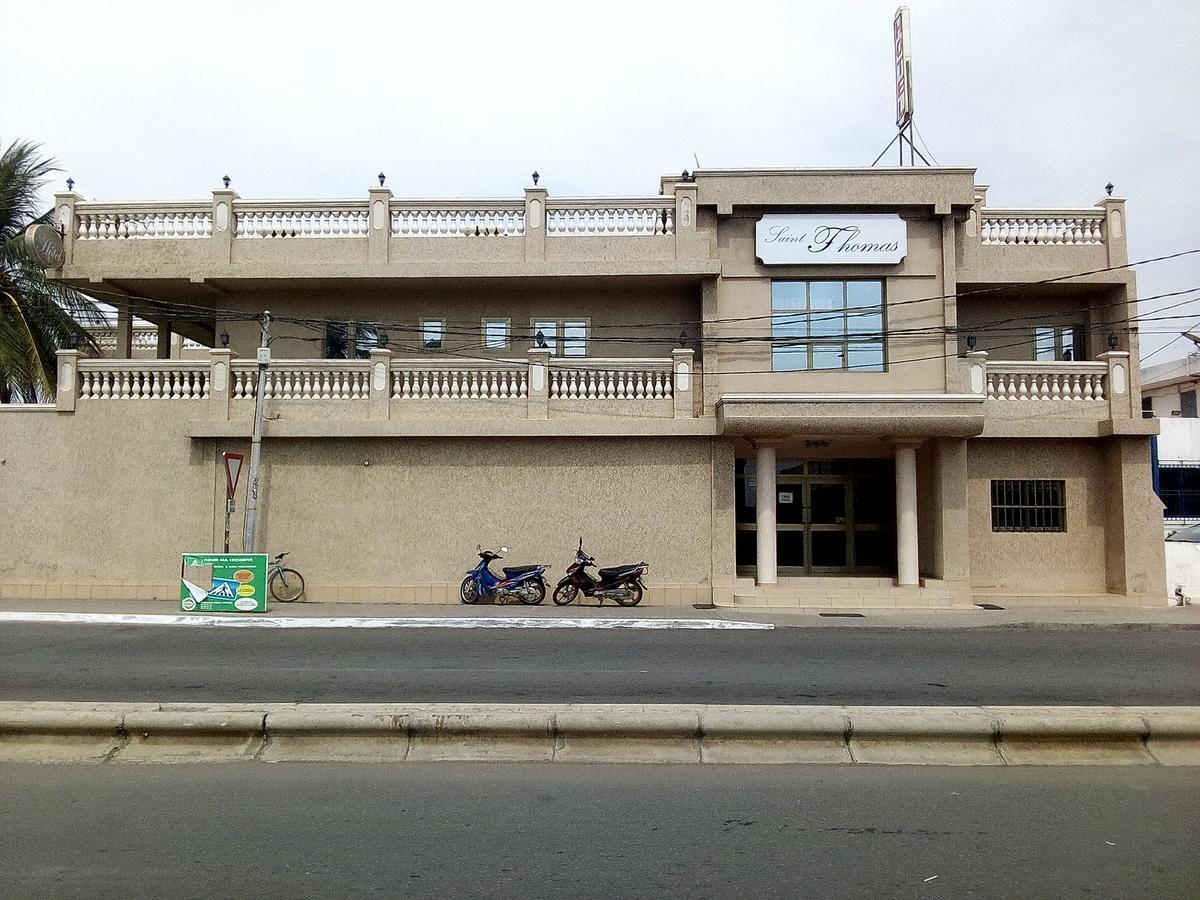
(823, 240)
(785, 496)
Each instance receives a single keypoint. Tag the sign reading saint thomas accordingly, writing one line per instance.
(824, 240)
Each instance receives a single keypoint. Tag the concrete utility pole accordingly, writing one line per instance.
(264, 358)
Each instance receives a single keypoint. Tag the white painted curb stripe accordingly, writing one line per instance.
(352, 622)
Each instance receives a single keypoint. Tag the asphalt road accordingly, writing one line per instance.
(788, 665)
(555, 830)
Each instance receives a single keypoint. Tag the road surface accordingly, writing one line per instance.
(556, 830)
(1008, 665)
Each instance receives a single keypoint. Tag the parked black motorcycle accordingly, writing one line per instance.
(621, 583)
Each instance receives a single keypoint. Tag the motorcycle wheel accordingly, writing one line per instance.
(635, 590)
(539, 594)
(467, 592)
(565, 593)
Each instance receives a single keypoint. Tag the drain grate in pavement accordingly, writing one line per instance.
(988, 606)
(841, 615)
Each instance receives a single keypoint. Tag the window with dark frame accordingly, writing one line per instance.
(1029, 505)
(818, 325)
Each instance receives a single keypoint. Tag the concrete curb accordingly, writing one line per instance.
(870, 735)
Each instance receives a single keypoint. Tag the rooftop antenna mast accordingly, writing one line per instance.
(902, 38)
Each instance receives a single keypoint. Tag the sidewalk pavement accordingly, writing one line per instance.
(956, 617)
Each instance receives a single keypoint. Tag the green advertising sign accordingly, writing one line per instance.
(223, 582)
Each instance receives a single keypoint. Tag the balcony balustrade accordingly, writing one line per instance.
(384, 386)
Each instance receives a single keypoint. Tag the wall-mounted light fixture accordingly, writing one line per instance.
(381, 178)
(540, 339)
(1108, 189)
(225, 180)
(971, 340)
(224, 338)
(70, 183)
(1112, 340)
(535, 177)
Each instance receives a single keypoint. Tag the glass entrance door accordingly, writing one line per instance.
(832, 517)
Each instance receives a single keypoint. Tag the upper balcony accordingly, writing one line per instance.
(379, 236)
(1014, 245)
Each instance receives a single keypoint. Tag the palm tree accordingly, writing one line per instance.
(38, 316)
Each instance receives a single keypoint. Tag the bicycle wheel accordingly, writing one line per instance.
(286, 585)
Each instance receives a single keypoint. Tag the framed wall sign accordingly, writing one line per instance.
(824, 240)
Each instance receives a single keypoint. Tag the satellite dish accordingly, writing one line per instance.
(45, 246)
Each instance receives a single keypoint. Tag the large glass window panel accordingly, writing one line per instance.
(574, 338)
(789, 359)
(789, 548)
(860, 294)
(828, 324)
(828, 504)
(829, 549)
(747, 547)
(789, 505)
(549, 335)
(431, 333)
(827, 356)
(1044, 343)
(864, 357)
(826, 294)
(789, 326)
(788, 294)
(864, 326)
(495, 334)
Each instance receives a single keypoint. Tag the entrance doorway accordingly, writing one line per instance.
(833, 517)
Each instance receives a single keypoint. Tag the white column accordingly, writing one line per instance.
(764, 504)
(907, 573)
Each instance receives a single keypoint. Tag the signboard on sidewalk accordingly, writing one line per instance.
(223, 582)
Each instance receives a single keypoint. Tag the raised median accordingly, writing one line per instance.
(596, 733)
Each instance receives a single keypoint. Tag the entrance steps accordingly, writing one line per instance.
(844, 593)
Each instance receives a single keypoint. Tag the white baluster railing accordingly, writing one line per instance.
(149, 380)
(142, 221)
(301, 219)
(304, 380)
(1047, 380)
(586, 218)
(489, 219)
(1042, 227)
(612, 379)
(504, 380)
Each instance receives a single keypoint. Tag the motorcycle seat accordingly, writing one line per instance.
(511, 571)
(617, 571)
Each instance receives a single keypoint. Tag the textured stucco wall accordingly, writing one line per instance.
(1067, 562)
(103, 502)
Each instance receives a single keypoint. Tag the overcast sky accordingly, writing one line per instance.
(1048, 100)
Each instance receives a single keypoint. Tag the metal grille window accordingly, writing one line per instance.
(827, 325)
(1029, 505)
(1179, 490)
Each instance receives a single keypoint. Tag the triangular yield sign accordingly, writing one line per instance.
(233, 468)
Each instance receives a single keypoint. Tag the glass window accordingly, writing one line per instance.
(1057, 342)
(812, 329)
(432, 331)
(789, 295)
(574, 339)
(565, 337)
(366, 339)
(495, 334)
(546, 334)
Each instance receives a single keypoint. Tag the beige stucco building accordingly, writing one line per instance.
(832, 387)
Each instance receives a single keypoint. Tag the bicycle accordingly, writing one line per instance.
(286, 584)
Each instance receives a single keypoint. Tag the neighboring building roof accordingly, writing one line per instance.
(1189, 535)
(1177, 371)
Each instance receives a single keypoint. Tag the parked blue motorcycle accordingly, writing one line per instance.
(525, 583)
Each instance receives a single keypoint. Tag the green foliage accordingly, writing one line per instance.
(38, 316)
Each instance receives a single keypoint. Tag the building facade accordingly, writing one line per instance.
(781, 387)
(1169, 395)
